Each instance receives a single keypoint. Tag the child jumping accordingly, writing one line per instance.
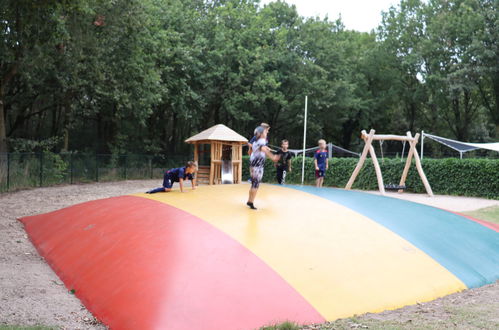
(321, 163)
(178, 175)
(254, 138)
(283, 166)
(257, 162)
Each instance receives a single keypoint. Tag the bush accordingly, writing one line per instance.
(450, 176)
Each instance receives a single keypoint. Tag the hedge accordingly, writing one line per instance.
(450, 176)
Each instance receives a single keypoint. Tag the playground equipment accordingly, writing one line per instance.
(203, 260)
(368, 139)
(225, 144)
(227, 176)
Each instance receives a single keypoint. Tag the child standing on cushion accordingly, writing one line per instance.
(178, 175)
(257, 162)
(283, 166)
(321, 163)
(254, 138)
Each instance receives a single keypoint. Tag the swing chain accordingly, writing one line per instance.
(403, 150)
(381, 148)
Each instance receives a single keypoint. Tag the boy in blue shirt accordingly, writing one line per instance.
(178, 175)
(321, 163)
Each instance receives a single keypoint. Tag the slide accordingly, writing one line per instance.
(227, 176)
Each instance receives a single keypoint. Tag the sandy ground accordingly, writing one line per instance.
(31, 293)
(452, 203)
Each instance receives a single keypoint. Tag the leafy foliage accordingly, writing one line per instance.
(448, 176)
(140, 76)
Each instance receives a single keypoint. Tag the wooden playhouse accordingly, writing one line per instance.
(218, 151)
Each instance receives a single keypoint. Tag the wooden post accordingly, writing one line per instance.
(216, 161)
(407, 162)
(368, 141)
(240, 167)
(411, 153)
(420, 168)
(414, 152)
(379, 176)
(212, 165)
(196, 153)
(237, 155)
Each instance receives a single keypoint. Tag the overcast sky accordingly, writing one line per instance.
(360, 15)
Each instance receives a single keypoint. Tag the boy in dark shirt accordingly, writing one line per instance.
(283, 166)
(177, 175)
(321, 163)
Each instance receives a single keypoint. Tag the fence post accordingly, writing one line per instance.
(96, 168)
(8, 171)
(71, 166)
(41, 168)
(126, 164)
(150, 165)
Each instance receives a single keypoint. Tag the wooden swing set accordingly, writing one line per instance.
(368, 147)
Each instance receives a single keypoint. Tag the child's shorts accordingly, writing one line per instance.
(320, 173)
(256, 176)
(167, 181)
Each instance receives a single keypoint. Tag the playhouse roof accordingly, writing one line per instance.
(217, 133)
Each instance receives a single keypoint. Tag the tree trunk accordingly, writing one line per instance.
(65, 146)
(458, 124)
(412, 119)
(99, 132)
(65, 120)
(173, 141)
(347, 132)
(468, 114)
(4, 81)
(495, 108)
(3, 126)
(3, 116)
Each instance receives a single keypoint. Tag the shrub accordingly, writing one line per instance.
(450, 176)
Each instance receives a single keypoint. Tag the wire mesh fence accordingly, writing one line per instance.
(26, 170)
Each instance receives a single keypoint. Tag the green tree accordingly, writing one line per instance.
(29, 31)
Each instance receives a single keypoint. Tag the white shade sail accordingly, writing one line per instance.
(463, 146)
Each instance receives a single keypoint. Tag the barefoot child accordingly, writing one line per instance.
(177, 175)
(257, 162)
(321, 163)
(283, 166)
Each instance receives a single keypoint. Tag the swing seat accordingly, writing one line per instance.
(392, 186)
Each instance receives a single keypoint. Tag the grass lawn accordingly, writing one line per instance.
(474, 312)
(490, 214)
(445, 315)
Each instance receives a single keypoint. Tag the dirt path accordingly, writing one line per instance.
(31, 293)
